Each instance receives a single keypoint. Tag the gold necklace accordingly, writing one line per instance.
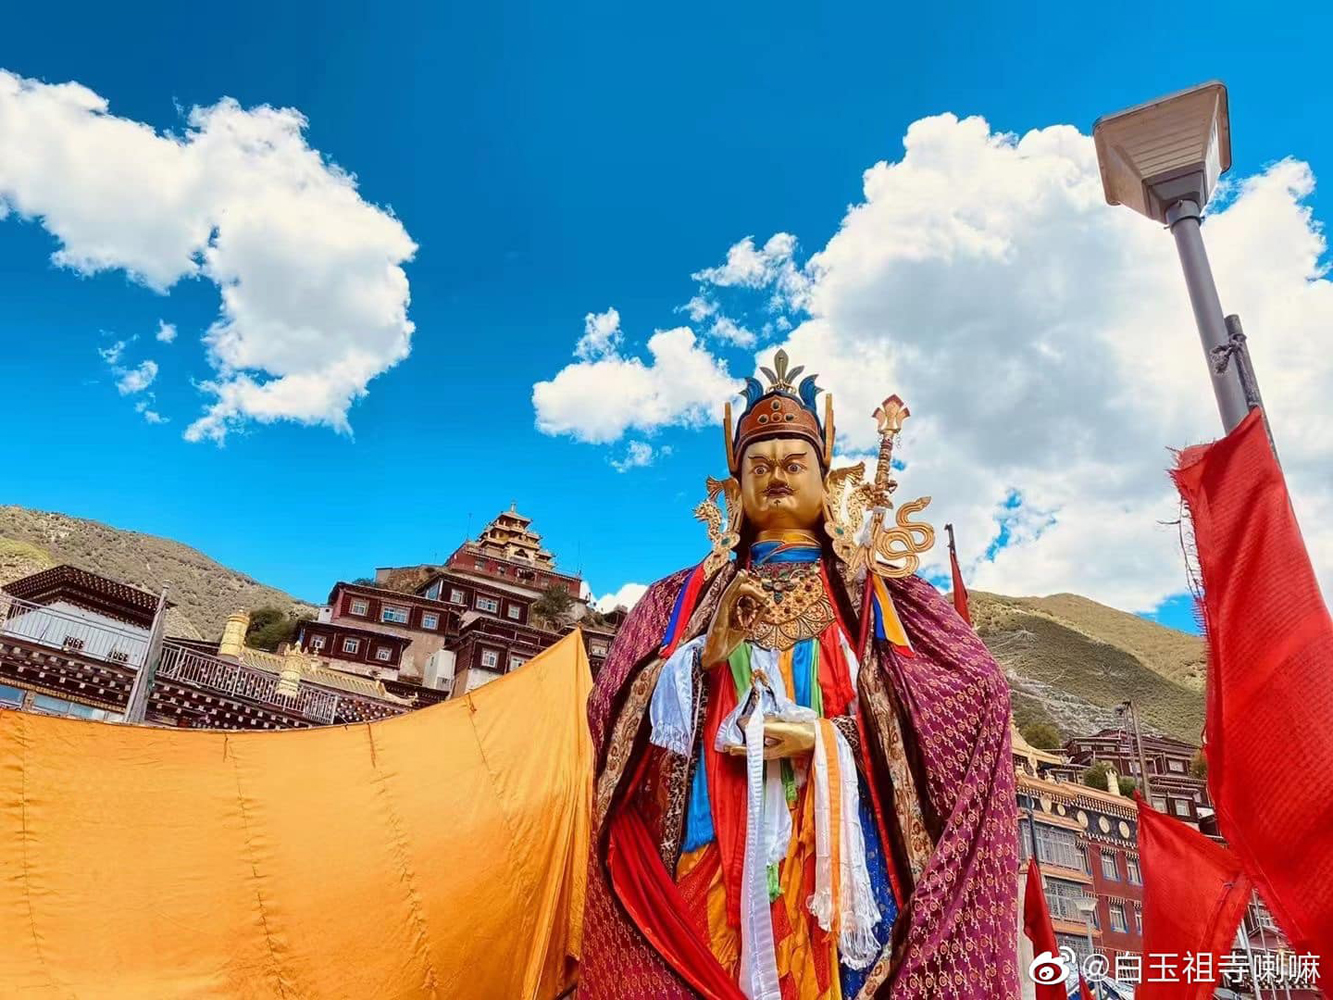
(797, 606)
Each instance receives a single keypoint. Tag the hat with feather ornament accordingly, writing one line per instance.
(783, 409)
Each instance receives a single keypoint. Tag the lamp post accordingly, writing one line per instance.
(1127, 708)
(1088, 906)
(1163, 159)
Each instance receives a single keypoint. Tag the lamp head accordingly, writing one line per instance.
(1166, 151)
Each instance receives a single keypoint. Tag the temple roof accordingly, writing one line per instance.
(508, 536)
(88, 590)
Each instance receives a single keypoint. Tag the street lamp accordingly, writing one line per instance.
(1088, 906)
(1127, 708)
(1163, 159)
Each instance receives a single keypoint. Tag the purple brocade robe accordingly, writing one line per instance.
(956, 937)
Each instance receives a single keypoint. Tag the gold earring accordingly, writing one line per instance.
(722, 505)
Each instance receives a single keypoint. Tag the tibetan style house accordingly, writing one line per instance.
(71, 643)
(1174, 788)
(451, 628)
(1087, 843)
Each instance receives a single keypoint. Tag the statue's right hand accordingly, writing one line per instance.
(737, 612)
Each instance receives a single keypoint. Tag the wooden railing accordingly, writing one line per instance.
(180, 663)
(71, 632)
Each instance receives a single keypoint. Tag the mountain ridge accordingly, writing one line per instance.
(1068, 660)
(203, 590)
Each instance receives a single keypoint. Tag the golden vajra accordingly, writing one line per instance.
(886, 550)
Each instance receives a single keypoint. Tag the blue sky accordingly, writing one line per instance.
(549, 161)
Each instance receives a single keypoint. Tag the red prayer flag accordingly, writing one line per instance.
(1037, 926)
(959, 588)
(1194, 895)
(1269, 722)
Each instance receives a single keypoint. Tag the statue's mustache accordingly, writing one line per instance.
(778, 490)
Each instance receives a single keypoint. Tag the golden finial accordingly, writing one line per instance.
(890, 416)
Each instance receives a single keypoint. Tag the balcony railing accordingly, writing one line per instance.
(179, 663)
(71, 632)
(1051, 849)
(1064, 907)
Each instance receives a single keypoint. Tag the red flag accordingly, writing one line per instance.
(1037, 926)
(959, 588)
(1269, 723)
(1194, 894)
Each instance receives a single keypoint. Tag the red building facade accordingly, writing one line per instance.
(1086, 842)
(1173, 787)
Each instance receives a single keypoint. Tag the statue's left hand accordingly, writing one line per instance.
(783, 739)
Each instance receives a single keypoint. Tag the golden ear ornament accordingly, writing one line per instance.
(722, 513)
(892, 550)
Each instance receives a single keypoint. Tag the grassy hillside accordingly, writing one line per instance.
(1070, 661)
(203, 590)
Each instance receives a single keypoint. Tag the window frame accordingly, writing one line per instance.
(385, 618)
(1122, 925)
(516, 661)
(355, 645)
(316, 643)
(491, 606)
(1133, 871)
(515, 612)
(387, 651)
(1113, 874)
(434, 622)
(457, 595)
(364, 605)
(493, 656)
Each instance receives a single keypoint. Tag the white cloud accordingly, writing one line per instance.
(145, 407)
(599, 400)
(166, 332)
(601, 336)
(772, 266)
(729, 331)
(627, 596)
(136, 379)
(111, 355)
(313, 295)
(132, 380)
(1045, 343)
(699, 308)
(637, 456)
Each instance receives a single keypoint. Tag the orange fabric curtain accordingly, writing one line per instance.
(439, 854)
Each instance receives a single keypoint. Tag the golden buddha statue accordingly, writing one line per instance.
(776, 782)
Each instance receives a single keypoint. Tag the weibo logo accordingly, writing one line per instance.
(1049, 968)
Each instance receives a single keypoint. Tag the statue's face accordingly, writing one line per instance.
(781, 486)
